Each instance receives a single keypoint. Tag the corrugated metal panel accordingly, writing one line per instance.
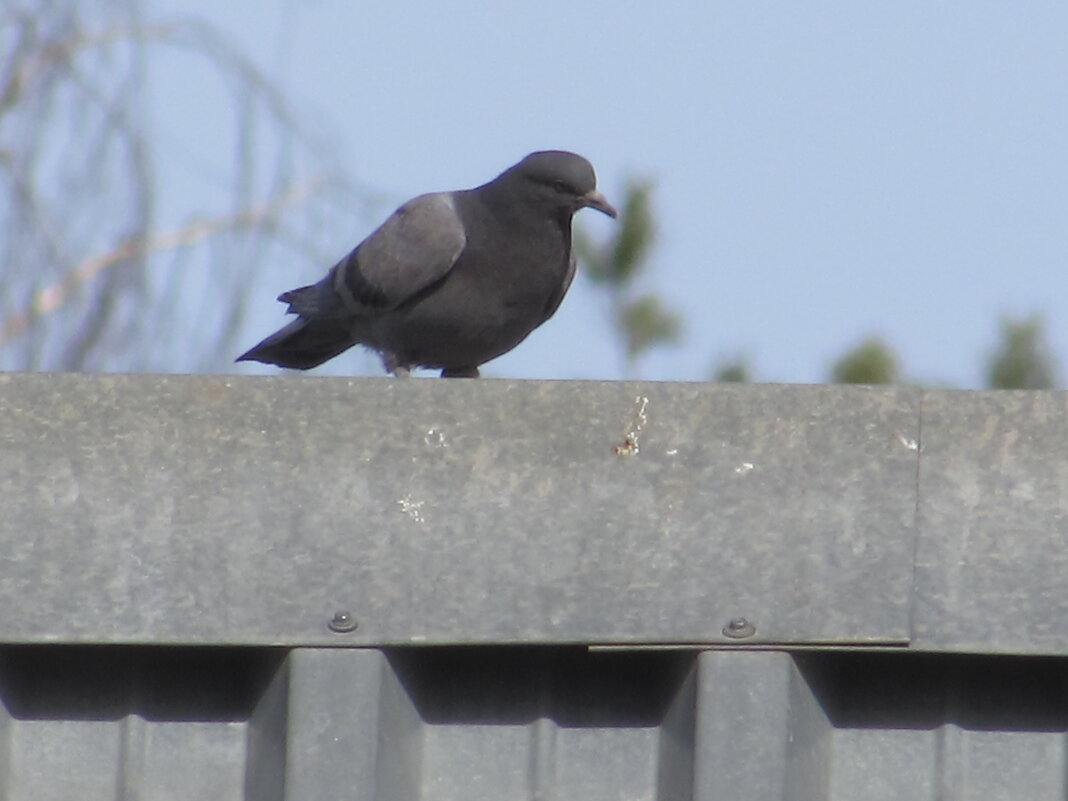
(124, 723)
(213, 510)
(474, 724)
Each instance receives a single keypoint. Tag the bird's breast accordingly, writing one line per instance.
(482, 309)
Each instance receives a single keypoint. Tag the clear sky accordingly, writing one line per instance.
(824, 170)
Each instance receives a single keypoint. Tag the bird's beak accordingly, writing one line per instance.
(595, 200)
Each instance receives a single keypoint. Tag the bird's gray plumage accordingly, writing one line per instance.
(451, 279)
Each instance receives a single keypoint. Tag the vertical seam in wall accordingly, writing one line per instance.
(916, 532)
(7, 736)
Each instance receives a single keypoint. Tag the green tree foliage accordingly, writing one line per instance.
(870, 362)
(641, 319)
(645, 322)
(618, 262)
(1022, 358)
(732, 371)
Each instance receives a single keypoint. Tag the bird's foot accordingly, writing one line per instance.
(393, 365)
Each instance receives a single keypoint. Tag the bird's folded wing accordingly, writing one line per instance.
(558, 296)
(409, 252)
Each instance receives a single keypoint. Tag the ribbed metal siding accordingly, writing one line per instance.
(173, 549)
(474, 724)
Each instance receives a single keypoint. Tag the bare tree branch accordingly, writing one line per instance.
(55, 295)
(90, 277)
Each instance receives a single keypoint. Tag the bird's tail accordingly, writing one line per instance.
(302, 344)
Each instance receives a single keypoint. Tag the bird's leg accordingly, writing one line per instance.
(393, 365)
(460, 372)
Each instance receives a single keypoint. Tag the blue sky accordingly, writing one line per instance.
(824, 170)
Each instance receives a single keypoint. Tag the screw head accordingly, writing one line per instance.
(342, 622)
(739, 629)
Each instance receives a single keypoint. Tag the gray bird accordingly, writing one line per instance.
(451, 279)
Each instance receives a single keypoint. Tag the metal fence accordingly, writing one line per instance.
(302, 588)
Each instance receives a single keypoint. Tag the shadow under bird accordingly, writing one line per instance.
(451, 279)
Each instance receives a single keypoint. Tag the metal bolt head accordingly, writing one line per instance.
(739, 629)
(342, 622)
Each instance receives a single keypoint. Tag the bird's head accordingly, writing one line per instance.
(559, 180)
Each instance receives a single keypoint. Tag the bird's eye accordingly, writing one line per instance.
(560, 186)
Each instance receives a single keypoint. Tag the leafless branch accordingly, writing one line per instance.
(90, 277)
(55, 295)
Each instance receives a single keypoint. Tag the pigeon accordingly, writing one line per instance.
(450, 280)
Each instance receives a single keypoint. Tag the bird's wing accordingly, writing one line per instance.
(409, 252)
(558, 296)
